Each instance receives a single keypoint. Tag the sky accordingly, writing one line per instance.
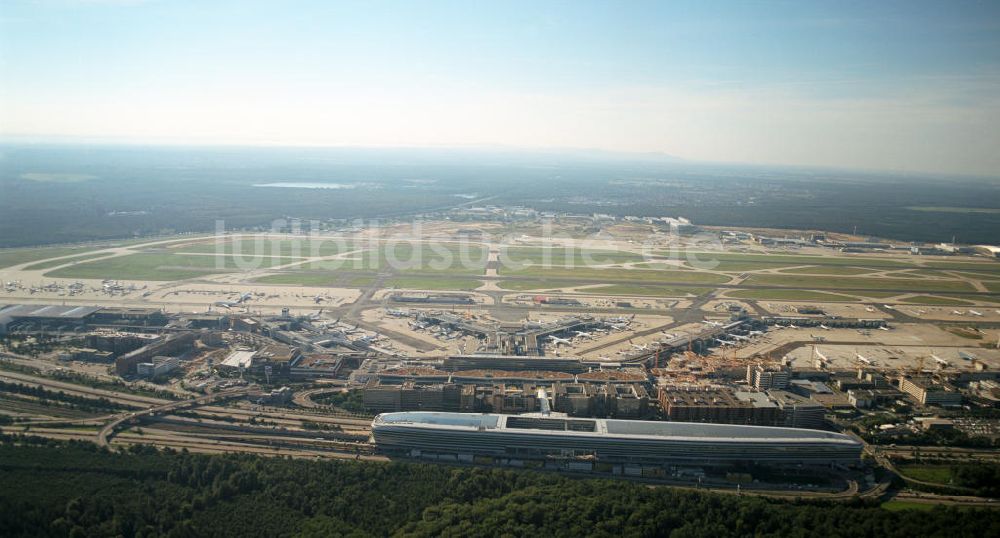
(907, 86)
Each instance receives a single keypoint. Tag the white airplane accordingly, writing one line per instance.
(556, 341)
(974, 313)
(792, 326)
(869, 308)
(958, 312)
(888, 307)
(756, 333)
(396, 313)
(642, 347)
(824, 327)
(712, 323)
(725, 342)
(883, 327)
(939, 360)
(821, 359)
(865, 360)
(582, 334)
(740, 337)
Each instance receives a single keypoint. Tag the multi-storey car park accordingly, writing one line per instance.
(606, 440)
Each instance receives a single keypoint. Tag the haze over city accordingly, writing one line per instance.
(898, 86)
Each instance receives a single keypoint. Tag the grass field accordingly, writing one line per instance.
(939, 474)
(739, 267)
(788, 295)
(156, 267)
(261, 246)
(16, 256)
(652, 291)
(935, 300)
(992, 285)
(443, 258)
(875, 294)
(62, 261)
(432, 283)
(619, 275)
(988, 267)
(791, 259)
(557, 256)
(832, 270)
(862, 283)
(528, 285)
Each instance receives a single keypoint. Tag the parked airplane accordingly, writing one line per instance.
(712, 323)
(725, 342)
(556, 341)
(974, 313)
(939, 360)
(824, 327)
(756, 333)
(864, 359)
(582, 334)
(958, 312)
(883, 327)
(740, 337)
(642, 347)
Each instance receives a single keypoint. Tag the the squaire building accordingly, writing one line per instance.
(624, 441)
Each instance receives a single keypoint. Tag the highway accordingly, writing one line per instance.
(104, 436)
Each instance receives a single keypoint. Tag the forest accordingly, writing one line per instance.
(48, 488)
(64, 194)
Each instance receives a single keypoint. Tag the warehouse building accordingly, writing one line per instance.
(44, 317)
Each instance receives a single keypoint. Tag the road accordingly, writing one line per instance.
(104, 436)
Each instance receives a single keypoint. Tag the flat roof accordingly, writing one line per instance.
(241, 358)
(47, 311)
(637, 429)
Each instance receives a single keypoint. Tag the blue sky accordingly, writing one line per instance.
(903, 86)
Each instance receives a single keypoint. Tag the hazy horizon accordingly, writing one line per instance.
(911, 87)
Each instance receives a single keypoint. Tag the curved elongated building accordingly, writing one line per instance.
(625, 441)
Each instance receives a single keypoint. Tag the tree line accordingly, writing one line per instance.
(50, 488)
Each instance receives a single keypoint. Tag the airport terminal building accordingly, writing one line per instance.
(468, 435)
